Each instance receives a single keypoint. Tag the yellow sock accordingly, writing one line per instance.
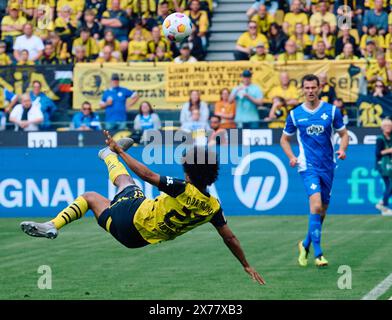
(74, 211)
(115, 167)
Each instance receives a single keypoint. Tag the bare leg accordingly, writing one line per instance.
(324, 212)
(123, 181)
(96, 202)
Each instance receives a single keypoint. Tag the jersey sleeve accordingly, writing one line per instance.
(290, 128)
(129, 93)
(218, 220)
(171, 186)
(9, 96)
(338, 123)
(105, 96)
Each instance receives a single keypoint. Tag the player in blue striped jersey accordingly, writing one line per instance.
(315, 121)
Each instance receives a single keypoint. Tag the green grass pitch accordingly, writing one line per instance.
(88, 263)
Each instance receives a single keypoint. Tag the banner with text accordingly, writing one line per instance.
(211, 77)
(167, 85)
(91, 80)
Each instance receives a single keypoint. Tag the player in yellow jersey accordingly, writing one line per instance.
(136, 221)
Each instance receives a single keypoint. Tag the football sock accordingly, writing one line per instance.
(74, 211)
(315, 233)
(115, 167)
(308, 240)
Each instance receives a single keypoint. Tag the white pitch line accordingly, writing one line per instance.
(379, 290)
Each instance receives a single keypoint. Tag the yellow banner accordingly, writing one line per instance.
(167, 85)
(91, 80)
(211, 77)
(344, 76)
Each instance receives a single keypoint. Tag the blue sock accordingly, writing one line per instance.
(315, 233)
(308, 240)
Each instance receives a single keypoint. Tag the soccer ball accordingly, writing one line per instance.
(177, 26)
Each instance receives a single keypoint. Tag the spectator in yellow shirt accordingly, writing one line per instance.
(12, 26)
(348, 52)
(390, 19)
(64, 25)
(174, 5)
(301, 39)
(90, 45)
(327, 37)
(60, 47)
(323, 15)
(261, 54)
(263, 19)
(290, 53)
(5, 60)
(381, 70)
(199, 20)
(371, 35)
(388, 54)
(109, 39)
(76, 6)
(370, 51)
(80, 55)
(144, 8)
(247, 42)
(106, 55)
(158, 41)
(319, 52)
(146, 35)
(137, 48)
(388, 36)
(295, 16)
(161, 56)
(24, 59)
(287, 91)
(26, 7)
(369, 4)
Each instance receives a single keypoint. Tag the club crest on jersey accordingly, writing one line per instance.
(314, 130)
(324, 116)
(169, 181)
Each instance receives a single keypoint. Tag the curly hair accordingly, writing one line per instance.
(201, 166)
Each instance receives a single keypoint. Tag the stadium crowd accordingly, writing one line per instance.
(42, 32)
(69, 31)
(308, 30)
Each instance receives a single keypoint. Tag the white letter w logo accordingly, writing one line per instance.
(252, 191)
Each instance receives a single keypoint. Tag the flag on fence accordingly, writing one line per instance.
(65, 80)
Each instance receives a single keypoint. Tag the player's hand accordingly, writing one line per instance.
(113, 146)
(255, 275)
(341, 154)
(293, 161)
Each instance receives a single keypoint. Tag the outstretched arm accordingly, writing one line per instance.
(138, 168)
(234, 245)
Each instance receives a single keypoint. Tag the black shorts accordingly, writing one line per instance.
(119, 217)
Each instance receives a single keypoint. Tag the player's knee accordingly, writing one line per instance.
(317, 208)
(89, 196)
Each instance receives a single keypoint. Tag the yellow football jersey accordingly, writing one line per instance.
(181, 208)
